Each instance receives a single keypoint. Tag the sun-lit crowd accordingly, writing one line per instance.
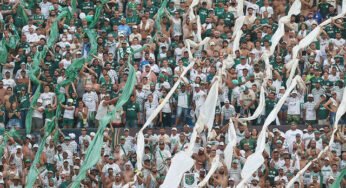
(152, 37)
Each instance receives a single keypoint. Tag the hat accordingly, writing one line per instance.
(39, 100)
(28, 136)
(197, 85)
(326, 158)
(305, 130)
(35, 146)
(212, 43)
(221, 144)
(65, 161)
(242, 57)
(174, 129)
(294, 92)
(69, 100)
(126, 129)
(276, 130)
(226, 101)
(317, 132)
(310, 95)
(67, 138)
(72, 135)
(235, 161)
(235, 82)
(18, 147)
(92, 134)
(76, 167)
(278, 142)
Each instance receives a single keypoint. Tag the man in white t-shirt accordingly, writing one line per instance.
(8, 81)
(309, 110)
(291, 134)
(90, 100)
(293, 111)
(199, 97)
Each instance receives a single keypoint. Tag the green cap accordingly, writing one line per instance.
(235, 82)
(122, 138)
(242, 57)
(152, 84)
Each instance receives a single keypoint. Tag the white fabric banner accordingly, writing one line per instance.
(140, 136)
(255, 160)
(181, 163)
(232, 142)
(259, 108)
(214, 165)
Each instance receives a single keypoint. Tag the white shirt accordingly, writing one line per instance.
(47, 98)
(293, 105)
(9, 83)
(45, 8)
(291, 136)
(199, 98)
(90, 99)
(310, 110)
(183, 99)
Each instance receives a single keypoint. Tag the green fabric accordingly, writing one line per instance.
(93, 153)
(6, 135)
(11, 43)
(73, 6)
(34, 172)
(338, 180)
(96, 16)
(21, 13)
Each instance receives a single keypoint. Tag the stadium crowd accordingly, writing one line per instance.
(302, 130)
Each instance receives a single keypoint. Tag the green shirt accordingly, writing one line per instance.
(133, 20)
(131, 110)
(39, 18)
(229, 19)
(219, 12)
(24, 102)
(330, 30)
(270, 104)
(322, 112)
(324, 8)
(87, 7)
(252, 143)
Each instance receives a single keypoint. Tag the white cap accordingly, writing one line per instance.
(282, 87)
(92, 134)
(69, 100)
(221, 144)
(212, 43)
(72, 135)
(174, 129)
(35, 146)
(76, 167)
(18, 147)
(28, 136)
(310, 95)
(39, 100)
(197, 85)
(226, 101)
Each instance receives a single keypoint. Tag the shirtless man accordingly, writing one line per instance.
(108, 180)
(118, 181)
(332, 105)
(200, 156)
(128, 173)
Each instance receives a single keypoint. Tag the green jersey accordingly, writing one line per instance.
(131, 110)
(87, 7)
(24, 102)
(229, 19)
(38, 18)
(322, 112)
(324, 8)
(219, 12)
(270, 104)
(133, 20)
